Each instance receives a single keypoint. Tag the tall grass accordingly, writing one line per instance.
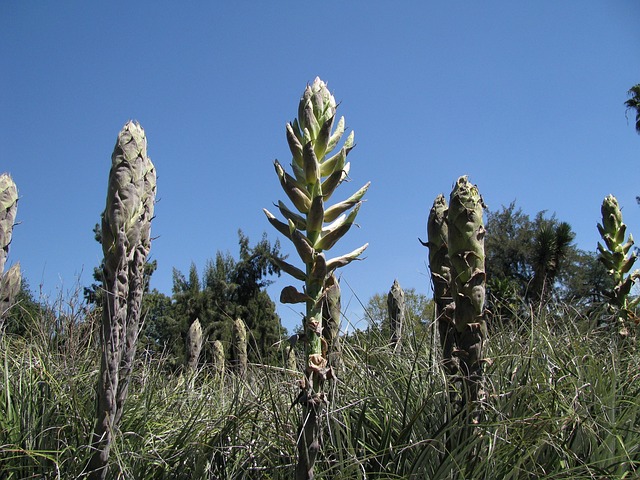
(561, 400)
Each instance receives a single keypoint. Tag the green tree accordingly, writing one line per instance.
(551, 245)
(508, 247)
(228, 289)
(536, 259)
(419, 312)
(584, 279)
(26, 312)
(633, 103)
(161, 332)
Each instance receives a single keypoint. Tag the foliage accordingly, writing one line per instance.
(616, 257)
(228, 289)
(11, 279)
(535, 259)
(317, 172)
(418, 314)
(562, 403)
(126, 241)
(21, 317)
(633, 103)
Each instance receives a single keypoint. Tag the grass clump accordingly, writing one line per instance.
(562, 401)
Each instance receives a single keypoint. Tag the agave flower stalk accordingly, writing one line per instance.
(331, 321)
(126, 241)
(290, 358)
(618, 261)
(319, 165)
(239, 347)
(8, 211)
(466, 254)
(218, 359)
(10, 282)
(440, 267)
(194, 345)
(395, 306)
(11, 279)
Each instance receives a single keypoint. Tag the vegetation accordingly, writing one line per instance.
(395, 307)
(465, 244)
(126, 241)
(561, 402)
(316, 175)
(618, 262)
(10, 281)
(228, 289)
(560, 394)
(418, 313)
(633, 103)
(531, 262)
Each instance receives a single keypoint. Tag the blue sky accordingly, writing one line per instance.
(524, 97)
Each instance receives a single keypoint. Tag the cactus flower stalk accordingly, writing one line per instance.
(10, 282)
(8, 211)
(11, 279)
(615, 255)
(395, 306)
(319, 165)
(440, 267)
(239, 347)
(331, 321)
(466, 254)
(194, 345)
(218, 359)
(126, 241)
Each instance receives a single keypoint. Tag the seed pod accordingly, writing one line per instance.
(336, 136)
(310, 164)
(333, 180)
(322, 141)
(294, 145)
(335, 162)
(282, 227)
(295, 272)
(298, 196)
(298, 220)
(335, 232)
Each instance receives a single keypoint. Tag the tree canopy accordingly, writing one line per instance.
(536, 260)
(227, 289)
(419, 311)
(633, 103)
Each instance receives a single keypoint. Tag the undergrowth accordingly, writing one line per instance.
(561, 400)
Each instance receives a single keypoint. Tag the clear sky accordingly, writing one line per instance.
(524, 97)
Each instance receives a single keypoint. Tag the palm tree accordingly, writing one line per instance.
(551, 245)
(634, 104)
